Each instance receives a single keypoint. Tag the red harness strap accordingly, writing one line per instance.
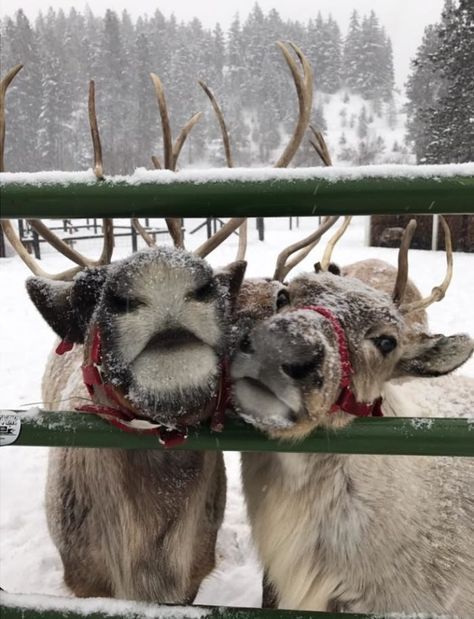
(346, 401)
(113, 406)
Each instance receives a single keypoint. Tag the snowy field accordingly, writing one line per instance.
(29, 562)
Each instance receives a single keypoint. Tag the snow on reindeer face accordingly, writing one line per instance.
(287, 373)
(162, 315)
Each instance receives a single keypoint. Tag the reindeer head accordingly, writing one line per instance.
(289, 371)
(163, 317)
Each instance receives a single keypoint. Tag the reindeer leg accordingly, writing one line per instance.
(269, 595)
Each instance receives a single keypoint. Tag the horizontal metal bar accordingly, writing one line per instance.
(277, 197)
(387, 435)
(51, 607)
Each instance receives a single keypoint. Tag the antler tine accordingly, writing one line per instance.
(402, 273)
(229, 160)
(438, 292)
(321, 147)
(183, 134)
(307, 244)
(107, 223)
(156, 162)
(243, 237)
(109, 242)
(143, 233)
(98, 165)
(165, 121)
(58, 244)
(30, 262)
(219, 237)
(222, 124)
(171, 153)
(326, 260)
(4, 84)
(304, 90)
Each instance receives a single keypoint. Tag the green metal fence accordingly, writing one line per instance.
(280, 195)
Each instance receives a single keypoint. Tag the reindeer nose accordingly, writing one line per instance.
(299, 371)
(245, 345)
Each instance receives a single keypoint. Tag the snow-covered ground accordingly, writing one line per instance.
(29, 562)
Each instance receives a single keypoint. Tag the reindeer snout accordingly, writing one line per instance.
(284, 348)
(300, 371)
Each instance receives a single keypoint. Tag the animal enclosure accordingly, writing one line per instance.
(244, 193)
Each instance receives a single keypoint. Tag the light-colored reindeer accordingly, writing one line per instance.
(342, 532)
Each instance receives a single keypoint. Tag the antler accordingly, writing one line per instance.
(171, 151)
(222, 125)
(4, 84)
(142, 232)
(304, 90)
(220, 236)
(230, 163)
(326, 260)
(402, 273)
(438, 292)
(47, 234)
(6, 224)
(306, 245)
(309, 243)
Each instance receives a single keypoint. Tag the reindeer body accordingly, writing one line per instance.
(367, 533)
(354, 533)
(137, 525)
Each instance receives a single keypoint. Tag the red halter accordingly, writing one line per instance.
(346, 401)
(113, 406)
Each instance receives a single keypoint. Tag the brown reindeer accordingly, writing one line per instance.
(355, 533)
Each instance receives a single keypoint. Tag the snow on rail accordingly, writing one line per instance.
(104, 606)
(163, 177)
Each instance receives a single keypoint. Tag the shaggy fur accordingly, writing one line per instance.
(140, 525)
(352, 533)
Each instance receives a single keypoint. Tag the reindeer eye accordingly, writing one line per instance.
(283, 298)
(122, 305)
(385, 343)
(205, 293)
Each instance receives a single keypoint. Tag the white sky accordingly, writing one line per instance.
(403, 19)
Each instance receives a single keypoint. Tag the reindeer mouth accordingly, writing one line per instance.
(171, 339)
(259, 405)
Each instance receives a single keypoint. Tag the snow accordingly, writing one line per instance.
(197, 176)
(101, 605)
(29, 562)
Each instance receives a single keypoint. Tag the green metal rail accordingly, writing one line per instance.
(387, 435)
(278, 197)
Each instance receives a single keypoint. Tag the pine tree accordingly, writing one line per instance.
(352, 54)
(441, 98)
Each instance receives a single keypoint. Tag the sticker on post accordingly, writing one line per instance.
(10, 426)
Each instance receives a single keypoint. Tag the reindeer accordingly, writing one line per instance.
(151, 333)
(341, 532)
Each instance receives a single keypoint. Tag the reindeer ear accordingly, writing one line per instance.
(53, 301)
(67, 306)
(435, 355)
(231, 277)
